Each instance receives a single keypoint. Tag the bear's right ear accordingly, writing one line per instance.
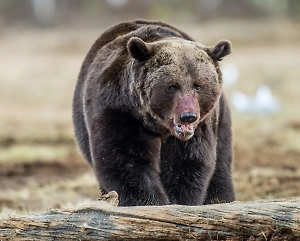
(139, 50)
(220, 50)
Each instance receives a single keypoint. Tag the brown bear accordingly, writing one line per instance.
(151, 118)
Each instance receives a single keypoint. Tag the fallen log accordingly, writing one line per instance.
(257, 220)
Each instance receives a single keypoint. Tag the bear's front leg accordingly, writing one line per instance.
(221, 188)
(126, 159)
(187, 167)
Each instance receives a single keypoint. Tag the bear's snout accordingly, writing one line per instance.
(188, 117)
(187, 109)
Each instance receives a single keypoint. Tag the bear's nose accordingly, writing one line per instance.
(188, 117)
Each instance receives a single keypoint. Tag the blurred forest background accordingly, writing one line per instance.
(42, 46)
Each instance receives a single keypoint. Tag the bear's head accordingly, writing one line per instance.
(178, 82)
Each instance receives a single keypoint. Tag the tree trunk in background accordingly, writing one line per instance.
(294, 9)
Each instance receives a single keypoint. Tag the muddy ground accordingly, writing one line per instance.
(40, 166)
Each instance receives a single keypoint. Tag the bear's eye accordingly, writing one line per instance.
(173, 88)
(197, 88)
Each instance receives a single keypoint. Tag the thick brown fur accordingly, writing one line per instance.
(150, 116)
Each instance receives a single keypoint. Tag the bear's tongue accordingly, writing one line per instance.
(184, 131)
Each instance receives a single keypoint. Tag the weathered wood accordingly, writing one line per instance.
(102, 221)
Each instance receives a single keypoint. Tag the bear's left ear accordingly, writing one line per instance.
(220, 50)
(139, 50)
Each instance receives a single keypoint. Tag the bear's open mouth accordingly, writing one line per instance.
(184, 131)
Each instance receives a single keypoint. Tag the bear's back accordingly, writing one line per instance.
(148, 31)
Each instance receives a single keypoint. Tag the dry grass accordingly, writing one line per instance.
(40, 167)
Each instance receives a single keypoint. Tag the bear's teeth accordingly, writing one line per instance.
(178, 128)
(184, 132)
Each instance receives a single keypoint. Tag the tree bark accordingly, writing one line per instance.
(257, 220)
